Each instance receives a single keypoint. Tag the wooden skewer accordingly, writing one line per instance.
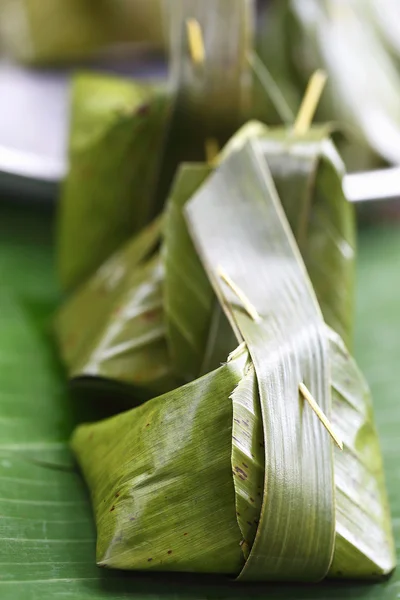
(196, 42)
(247, 305)
(305, 392)
(237, 352)
(212, 149)
(310, 102)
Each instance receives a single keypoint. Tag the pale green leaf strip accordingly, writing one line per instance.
(238, 224)
(188, 296)
(308, 174)
(248, 462)
(364, 539)
(199, 338)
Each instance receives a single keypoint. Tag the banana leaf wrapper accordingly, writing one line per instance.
(207, 477)
(308, 174)
(111, 332)
(198, 334)
(362, 94)
(115, 144)
(55, 31)
(212, 97)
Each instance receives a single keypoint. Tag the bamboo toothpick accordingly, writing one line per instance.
(196, 41)
(211, 147)
(247, 305)
(305, 392)
(237, 352)
(310, 102)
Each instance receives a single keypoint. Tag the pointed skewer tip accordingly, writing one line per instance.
(310, 102)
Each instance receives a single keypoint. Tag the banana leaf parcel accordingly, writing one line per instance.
(111, 332)
(308, 172)
(346, 39)
(117, 131)
(234, 472)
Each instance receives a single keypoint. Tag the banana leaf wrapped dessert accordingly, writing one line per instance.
(235, 472)
(309, 173)
(111, 332)
(117, 132)
(54, 31)
(345, 38)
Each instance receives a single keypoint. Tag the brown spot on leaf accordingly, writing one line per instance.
(251, 499)
(238, 514)
(236, 420)
(245, 466)
(148, 425)
(143, 110)
(149, 559)
(169, 552)
(185, 534)
(249, 523)
(236, 440)
(241, 473)
(117, 495)
(150, 315)
(112, 508)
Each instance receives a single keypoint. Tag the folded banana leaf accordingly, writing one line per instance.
(111, 332)
(211, 83)
(198, 335)
(308, 174)
(117, 133)
(54, 31)
(364, 82)
(243, 188)
(192, 481)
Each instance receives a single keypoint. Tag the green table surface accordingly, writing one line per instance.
(44, 552)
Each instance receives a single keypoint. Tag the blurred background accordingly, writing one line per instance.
(44, 42)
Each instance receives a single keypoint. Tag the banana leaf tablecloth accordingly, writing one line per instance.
(47, 537)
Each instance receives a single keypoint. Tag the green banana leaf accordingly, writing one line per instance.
(115, 147)
(151, 510)
(245, 234)
(45, 512)
(211, 99)
(54, 31)
(111, 332)
(340, 37)
(126, 519)
(231, 234)
(199, 339)
(308, 174)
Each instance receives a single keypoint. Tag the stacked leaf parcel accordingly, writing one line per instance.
(260, 459)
